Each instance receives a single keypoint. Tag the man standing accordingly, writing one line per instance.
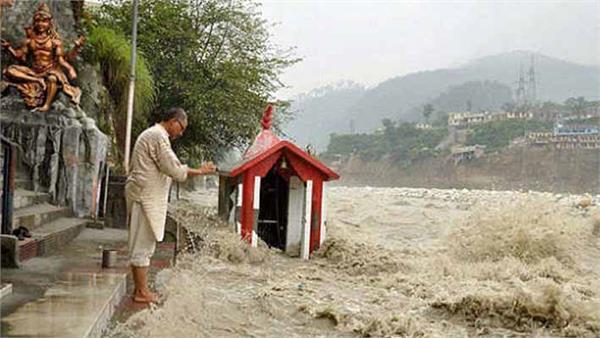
(153, 166)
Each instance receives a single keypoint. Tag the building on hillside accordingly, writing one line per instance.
(539, 138)
(466, 153)
(586, 115)
(518, 115)
(466, 119)
(575, 129)
(423, 126)
(577, 136)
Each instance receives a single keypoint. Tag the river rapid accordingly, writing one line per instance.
(396, 262)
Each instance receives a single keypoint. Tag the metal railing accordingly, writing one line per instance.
(9, 171)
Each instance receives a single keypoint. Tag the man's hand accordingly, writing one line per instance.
(72, 74)
(209, 168)
(80, 41)
(206, 169)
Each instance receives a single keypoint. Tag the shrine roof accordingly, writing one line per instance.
(265, 145)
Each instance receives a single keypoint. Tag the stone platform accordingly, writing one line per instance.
(68, 294)
(61, 153)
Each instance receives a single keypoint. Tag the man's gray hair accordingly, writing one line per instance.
(177, 113)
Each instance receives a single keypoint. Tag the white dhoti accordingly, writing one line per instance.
(142, 241)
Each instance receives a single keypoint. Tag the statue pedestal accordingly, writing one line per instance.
(62, 151)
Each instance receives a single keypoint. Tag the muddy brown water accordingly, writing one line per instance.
(397, 262)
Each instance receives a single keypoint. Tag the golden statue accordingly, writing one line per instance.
(39, 83)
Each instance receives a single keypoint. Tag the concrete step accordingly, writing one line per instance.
(5, 290)
(76, 305)
(50, 238)
(23, 174)
(23, 183)
(34, 216)
(26, 198)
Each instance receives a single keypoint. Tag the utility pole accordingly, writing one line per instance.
(131, 85)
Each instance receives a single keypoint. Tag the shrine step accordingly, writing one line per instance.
(50, 238)
(5, 290)
(34, 216)
(23, 183)
(26, 198)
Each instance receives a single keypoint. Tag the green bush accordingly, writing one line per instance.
(402, 144)
(499, 134)
(112, 52)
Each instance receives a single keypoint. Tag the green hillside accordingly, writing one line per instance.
(401, 98)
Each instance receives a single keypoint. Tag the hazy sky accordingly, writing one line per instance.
(370, 41)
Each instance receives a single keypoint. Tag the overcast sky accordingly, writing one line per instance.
(371, 41)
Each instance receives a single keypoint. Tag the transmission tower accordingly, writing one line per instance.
(521, 98)
(531, 86)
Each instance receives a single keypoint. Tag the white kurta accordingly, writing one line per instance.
(153, 164)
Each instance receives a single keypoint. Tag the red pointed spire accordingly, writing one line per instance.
(267, 118)
(266, 138)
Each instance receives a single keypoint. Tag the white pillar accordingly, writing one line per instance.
(305, 248)
(323, 214)
(295, 217)
(238, 209)
(256, 207)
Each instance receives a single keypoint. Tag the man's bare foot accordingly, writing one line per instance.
(145, 297)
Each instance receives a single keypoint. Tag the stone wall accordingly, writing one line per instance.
(63, 152)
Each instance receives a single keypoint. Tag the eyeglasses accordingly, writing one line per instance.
(181, 125)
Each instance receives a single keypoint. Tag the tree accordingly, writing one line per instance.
(577, 105)
(212, 58)
(112, 51)
(498, 134)
(427, 111)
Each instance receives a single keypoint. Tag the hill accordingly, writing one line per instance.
(401, 97)
(322, 112)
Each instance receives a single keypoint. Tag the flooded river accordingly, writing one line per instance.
(397, 262)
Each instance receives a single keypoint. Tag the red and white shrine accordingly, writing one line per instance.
(276, 192)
